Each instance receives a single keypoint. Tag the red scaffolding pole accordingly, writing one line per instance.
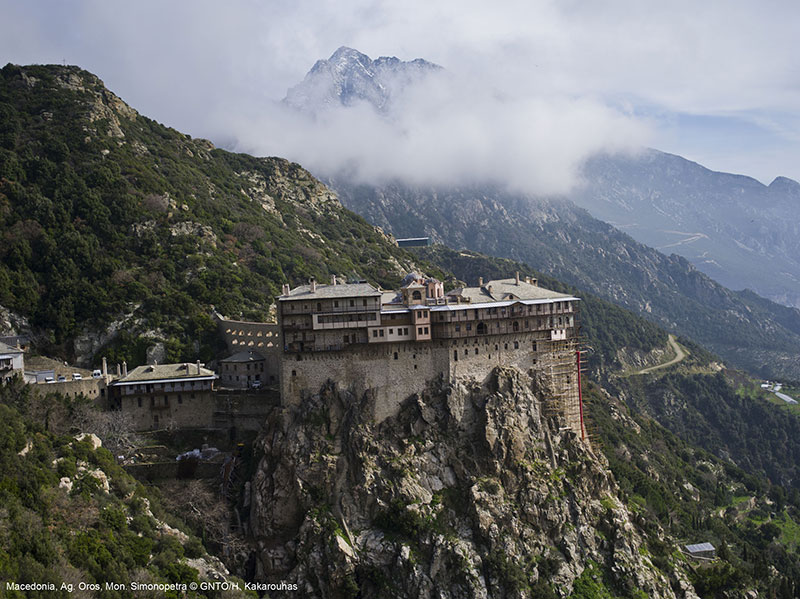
(580, 395)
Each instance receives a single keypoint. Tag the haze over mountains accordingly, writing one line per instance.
(730, 214)
(735, 229)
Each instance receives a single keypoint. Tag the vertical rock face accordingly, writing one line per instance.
(467, 492)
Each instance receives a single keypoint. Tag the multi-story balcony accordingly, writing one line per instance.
(349, 320)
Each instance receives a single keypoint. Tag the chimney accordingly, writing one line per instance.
(489, 289)
(480, 281)
(105, 367)
(285, 290)
(119, 369)
(313, 283)
(198, 367)
(333, 279)
(124, 368)
(517, 277)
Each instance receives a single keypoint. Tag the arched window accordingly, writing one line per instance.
(416, 295)
(516, 326)
(481, 328)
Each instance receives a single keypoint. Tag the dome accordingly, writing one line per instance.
(410, 278)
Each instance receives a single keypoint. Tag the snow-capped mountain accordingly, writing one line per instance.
(349, 77)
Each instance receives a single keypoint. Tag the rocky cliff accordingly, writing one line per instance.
(470, 491)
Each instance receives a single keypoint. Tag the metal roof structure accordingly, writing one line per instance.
(700, 548)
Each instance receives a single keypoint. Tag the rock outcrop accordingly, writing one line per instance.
(470, 491)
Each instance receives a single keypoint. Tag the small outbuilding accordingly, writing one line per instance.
(12, 362)
(702, 550)
(245, 370)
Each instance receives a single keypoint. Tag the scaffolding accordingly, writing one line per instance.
(561, 362)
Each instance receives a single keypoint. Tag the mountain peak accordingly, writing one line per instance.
(350, 77)
(785, 184)
(345, 52)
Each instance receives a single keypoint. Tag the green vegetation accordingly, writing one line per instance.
(107, 215)
(556, 237)
(718, 413)
(593, 584)
(675, 486)
(50, 533)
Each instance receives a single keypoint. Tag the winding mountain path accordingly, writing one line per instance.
(679, 355)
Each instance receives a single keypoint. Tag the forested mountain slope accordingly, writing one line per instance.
(119, 233)
(737, 230)
(564, 241)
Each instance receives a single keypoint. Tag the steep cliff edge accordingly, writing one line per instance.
(470, 491)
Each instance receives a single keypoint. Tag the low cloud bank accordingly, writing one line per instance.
(445, 130)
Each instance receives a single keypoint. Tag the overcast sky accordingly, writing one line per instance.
(717, 82)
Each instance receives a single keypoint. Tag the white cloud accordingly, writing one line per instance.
(449, 131)
(204, 66)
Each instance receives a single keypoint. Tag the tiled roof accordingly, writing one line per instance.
(159, 372)
(391, 297)
(7, 349)
(505, 290)
(331, 291)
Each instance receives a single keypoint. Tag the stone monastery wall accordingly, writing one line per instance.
(395, 371)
